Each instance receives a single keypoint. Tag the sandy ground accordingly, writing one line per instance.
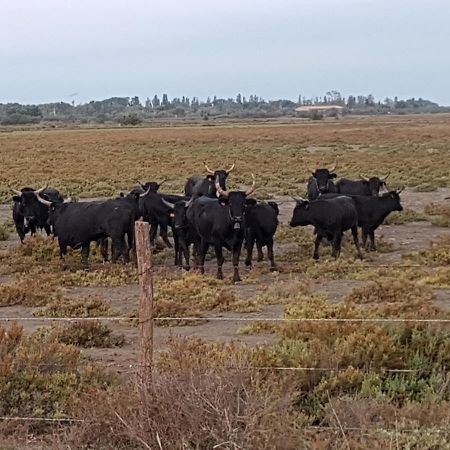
(407, 237)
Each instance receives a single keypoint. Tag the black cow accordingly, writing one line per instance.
(221, 223)
(184, 234)
(330, 217)
(321, 182)
(261, 221)
(196, 186)
(78, 224)
(372, 211)
(28, 214)
(364, 186)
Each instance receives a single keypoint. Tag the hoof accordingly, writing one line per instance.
(316, 257)
(274, 269)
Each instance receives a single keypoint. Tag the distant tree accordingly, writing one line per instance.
(135, 101)
(239, 99)
(156, 101)
(165, 100)
(351, 101)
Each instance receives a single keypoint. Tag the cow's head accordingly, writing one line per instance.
(236, 202)
(221, 175)
(323, 178)
(28, 205)
(300, 213)
(53, 207)
(394, 199)
(177, 212)
(151, 186)
(375, 184)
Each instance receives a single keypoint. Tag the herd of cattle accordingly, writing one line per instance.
(207, 215)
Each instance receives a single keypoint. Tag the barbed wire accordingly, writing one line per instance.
(231, 319)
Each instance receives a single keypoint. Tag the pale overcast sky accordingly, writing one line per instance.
(51, 49)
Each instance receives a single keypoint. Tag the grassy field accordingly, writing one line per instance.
(219, 382)
(90, 163)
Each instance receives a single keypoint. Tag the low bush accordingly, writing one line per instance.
(87, 334)
(77, 307)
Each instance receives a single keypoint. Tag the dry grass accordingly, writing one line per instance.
(77, 307)
(87, 334)
(411, 148)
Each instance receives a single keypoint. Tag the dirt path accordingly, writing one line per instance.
(405, 238)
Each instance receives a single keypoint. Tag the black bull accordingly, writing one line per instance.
(78, 224)
(28, 214)
(220, 223)
(196, 186)
(364, 186)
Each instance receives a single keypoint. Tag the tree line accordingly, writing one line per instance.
(132, 111)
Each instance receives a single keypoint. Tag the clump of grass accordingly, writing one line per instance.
(77, 307)
(440, 214)
(108, 275)
(193, 295)
(41, 377)
(405, 216)
(437, 255)
(4, 232)
(29, 291)
(88, 334)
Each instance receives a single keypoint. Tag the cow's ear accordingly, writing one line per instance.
(333, 175)
(17, 198)
(172, 215)
(250, 202)
(121, 194)
(210, 177)
(223, 201)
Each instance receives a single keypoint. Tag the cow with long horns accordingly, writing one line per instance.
(321, 182)
(364, 186)
(196, 186)
(28, 214)
(221, 223)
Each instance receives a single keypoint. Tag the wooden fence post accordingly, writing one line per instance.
(144, 261)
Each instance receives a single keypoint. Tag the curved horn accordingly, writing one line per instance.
(40, 199)
(139, 183)
(400, 190)
(333, 168)
(231, 168)
(162, 182)
(364, 178)
(145, 193)
(15, 191)
(38, 191)
(207, 168)
(220, 190)
(170, 205)
(250, 191)
(298, 199)
(385, 177)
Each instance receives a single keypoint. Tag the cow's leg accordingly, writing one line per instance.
(337, 239)
(220, 260)
(356, 241)
(250, 242)
(364, 238)
(236, 255)
(177, 250)
(104, 249)
(372, 240)
(163, 233)
(270, 255)
(184, 249)
(202, 255)
(21, 233)
(316, 246)
(117, 248)
(153, 231)
(85, 255)
(259, 248)
(48, 229)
